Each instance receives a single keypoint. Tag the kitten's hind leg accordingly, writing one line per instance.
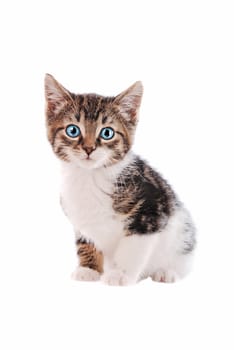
(174, 269)
(91, 262)
(173, 257)
(130, 260)
(167, 276)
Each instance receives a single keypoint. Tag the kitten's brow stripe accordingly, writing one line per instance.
(77, 116)
(104, 119)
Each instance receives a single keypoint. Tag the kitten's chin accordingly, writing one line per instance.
(89, 163)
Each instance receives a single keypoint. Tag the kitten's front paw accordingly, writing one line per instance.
(85, 274)
(115, 278)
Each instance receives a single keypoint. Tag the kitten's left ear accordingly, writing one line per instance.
(56, 95)
(129, 101)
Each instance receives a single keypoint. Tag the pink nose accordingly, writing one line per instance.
(89, 149)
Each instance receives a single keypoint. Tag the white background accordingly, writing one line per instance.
(183, 53)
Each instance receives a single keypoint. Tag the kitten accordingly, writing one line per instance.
(129, 224)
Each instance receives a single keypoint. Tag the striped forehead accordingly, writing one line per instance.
(91, 107)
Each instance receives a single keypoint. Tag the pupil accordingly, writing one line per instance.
(73, 130)
(107, 133)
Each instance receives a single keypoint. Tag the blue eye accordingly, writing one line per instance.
(107, 133)
(72, 131)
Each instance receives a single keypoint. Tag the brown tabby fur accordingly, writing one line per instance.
(89, 256)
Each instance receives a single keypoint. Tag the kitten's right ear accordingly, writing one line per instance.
(129, 101)
(56, 95)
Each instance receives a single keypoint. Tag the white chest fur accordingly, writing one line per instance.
(86, 199)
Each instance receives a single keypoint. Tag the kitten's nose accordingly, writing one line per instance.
(89, 149)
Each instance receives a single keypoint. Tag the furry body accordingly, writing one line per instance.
(128, 222)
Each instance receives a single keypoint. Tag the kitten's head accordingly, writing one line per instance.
(91, 130)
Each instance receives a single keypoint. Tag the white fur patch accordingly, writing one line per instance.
(86, 198)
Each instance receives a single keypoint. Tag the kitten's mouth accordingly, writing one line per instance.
(88, 160)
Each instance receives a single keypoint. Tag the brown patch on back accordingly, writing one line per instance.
(89, 256)
(144, 198)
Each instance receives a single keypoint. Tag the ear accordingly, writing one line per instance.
(56, 95)
(129, 101)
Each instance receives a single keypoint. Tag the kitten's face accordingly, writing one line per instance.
(89, 130)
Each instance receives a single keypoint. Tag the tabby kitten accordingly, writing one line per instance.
(129, 224)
